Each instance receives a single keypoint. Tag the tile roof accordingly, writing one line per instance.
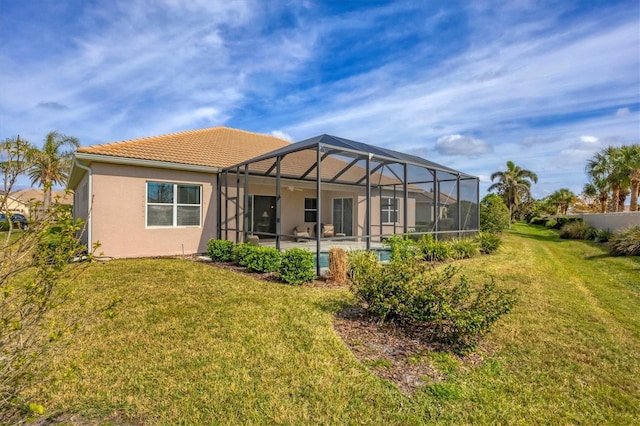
(212, 147)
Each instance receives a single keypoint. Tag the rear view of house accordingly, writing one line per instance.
(168, 195)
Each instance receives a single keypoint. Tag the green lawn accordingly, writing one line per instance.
(193, 344)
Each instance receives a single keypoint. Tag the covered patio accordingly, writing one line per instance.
(328, 191)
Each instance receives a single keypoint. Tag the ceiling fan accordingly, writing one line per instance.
(293, 188)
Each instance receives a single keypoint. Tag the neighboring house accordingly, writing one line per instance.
(28, 202)
(170, 194)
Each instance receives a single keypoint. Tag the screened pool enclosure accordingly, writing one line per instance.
(333, 189)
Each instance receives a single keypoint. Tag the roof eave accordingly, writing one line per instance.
(86, 159)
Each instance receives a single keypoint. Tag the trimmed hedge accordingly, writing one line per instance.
(297, 266)
(220, 250)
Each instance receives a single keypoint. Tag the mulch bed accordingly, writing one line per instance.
(392, 352)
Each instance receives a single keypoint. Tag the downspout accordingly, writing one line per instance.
(89, 200)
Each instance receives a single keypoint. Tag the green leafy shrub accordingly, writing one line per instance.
(463, 248)
(240, 253)
(263, 259)
(575, 230)
(403, 247)
(488, 242)
(551, 223)
(494, 214)
(360, 263)
(220, 250)
(564, 220)
(297, 266)
(434, 251)
(625, 242)
(451, 311)
(591, 233)
(539, 221)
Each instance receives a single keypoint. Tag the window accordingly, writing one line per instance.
(173, 204)
(310, 209)
(389, 210)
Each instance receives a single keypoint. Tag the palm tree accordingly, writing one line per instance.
(630, 159)
(51, 164)
(514, 184)
(563, 199)
(616, 171)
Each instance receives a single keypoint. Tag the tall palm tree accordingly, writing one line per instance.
(513, 184)
(630, 159)
(599, 170)
(52, 163)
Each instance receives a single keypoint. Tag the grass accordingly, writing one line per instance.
(192, 344)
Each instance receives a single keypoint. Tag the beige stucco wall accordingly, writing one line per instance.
(612, 221)
(118, 212)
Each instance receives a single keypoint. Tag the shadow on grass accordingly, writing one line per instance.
(553, 237)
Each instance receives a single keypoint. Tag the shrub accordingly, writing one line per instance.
(488, 242)
(360, 263)
(625, 242)
(603, 235)
(434, 251)
(452, 311)
(575, 230)
(551, 223)
(464, 248)
(538, 221)
(403, 247)
(263, 259)
(220, 250)
(240, 253)
(338, 264)
(494, 214)
(297, 266)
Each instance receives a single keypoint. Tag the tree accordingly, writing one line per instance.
(563, 199)
(630, 160)
(494, 215)
(513, 184)
(15, 159)
(613, 173)
(35, 279)
(52, 163)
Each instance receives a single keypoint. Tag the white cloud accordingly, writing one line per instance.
(461, 145)
(588, 139)
(623, 112)
(282, 135)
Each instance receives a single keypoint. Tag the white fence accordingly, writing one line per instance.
(612, 221)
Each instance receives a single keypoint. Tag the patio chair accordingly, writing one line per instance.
(327, 230)
(301, 233)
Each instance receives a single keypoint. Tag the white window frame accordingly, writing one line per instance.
(386, 210)
(174, 205)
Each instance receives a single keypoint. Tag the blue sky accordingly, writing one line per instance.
(470, 85)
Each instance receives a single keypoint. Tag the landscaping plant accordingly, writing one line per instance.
(449, 310)
(488, 242)
(625, 242)
(297, 266)
(263, 259)
(220, 250)
(338, 264)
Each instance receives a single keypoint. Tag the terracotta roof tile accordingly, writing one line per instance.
(213, 147)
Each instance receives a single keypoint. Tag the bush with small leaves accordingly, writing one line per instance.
(551, 223)
(409, 292)
(494, 214)
(297, 266)
(240, 254)
(403, 247)
(263, 259)
(220, 250)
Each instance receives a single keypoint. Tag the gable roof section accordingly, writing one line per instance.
(212, 147)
